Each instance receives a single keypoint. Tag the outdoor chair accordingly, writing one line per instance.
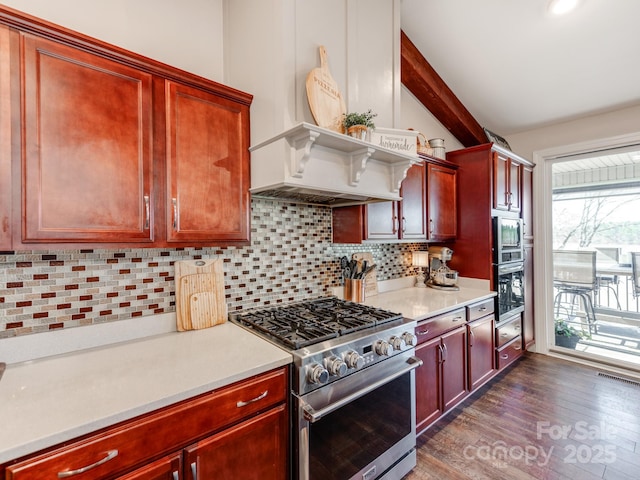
(635, 273)
(606, 282)
(574, 277)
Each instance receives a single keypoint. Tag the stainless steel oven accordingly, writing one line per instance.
(352, 387)
(509, 284)
(507, 240)
(360, 427)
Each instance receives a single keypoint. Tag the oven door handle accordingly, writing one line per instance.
(505, 269)
(312, 416)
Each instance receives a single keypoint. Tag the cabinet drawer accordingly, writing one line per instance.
(481, 309)
(508, 331)
(119, 449)
(508, 353)
(433, 327)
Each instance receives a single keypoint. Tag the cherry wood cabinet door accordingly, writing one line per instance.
(500, 181)
(428, 384)
(480, 350)
(87, 147)
(442, 202)
(208, 167)
(5, 139)
(527, 202)
(528, 316)
(255, 449)
(166, 468)
(515, 189)
(454, 367)
(382, 221)
(413, 206)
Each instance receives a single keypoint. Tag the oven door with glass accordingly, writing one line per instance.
(509, 280)
(362, 426)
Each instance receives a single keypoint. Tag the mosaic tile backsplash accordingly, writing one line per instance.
(291, 258)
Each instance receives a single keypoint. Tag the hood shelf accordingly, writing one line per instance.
(310, 159)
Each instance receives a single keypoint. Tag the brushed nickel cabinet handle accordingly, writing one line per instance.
(259, 397)
(176, 475)
(194, 470)
(504, 357)
(396, 224)
(422, 332)
(404, 224)
(147, 213)
(430, 226)
(472, 338)
(174, 202)
(111, 454)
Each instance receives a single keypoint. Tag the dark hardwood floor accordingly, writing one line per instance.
(544, 418)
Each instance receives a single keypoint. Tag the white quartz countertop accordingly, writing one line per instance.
(420, 303)
(48, 401)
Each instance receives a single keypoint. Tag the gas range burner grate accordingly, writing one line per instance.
(306, 323)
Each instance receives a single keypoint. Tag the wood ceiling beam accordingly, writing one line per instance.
(429, 88)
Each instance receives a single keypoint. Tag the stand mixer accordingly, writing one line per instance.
(441, 276)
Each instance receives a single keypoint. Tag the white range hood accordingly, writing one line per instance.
(310, 164)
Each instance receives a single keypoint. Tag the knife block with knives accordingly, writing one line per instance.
(370, 279)
(200, 297)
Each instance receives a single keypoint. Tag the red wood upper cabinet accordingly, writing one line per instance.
(442, 202)
(404, 219)
(5, 140)
(207, 167)
(507, 181)
(87, 147)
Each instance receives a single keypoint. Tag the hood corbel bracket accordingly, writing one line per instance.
(398, 172)
(358, 160)
(301, 151)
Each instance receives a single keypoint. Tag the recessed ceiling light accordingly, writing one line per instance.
(560, 7)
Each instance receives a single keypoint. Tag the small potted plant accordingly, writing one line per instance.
(357, 125)
(567, 335)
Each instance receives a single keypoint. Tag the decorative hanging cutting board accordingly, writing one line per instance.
(200, 299)
(325, 100)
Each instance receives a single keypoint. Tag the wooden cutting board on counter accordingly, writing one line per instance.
(370, 280)
(200, 298)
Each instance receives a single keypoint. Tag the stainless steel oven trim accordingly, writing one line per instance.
(313, 415)
(353, 387)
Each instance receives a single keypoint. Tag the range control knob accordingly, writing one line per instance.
(353, 359)
(335, 366)
(397, 342)
(382, 348)
(316, 373)
(409, 339)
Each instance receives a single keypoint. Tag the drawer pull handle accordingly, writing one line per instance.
(259, 397)
(519, 347)
(111, 454)
(506, 334)
(505, 356)
(422, 332)
(456, 319)
(482, 309)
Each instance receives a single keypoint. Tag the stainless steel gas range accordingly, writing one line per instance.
(353, 386)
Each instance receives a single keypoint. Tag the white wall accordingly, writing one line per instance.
(414, 115)
(183, 33)
(607, 125)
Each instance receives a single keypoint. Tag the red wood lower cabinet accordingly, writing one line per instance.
(481, 351)
(255, 449)
(441, 382)
(167, 468)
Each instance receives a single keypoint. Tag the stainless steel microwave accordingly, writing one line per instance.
(507, 240)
